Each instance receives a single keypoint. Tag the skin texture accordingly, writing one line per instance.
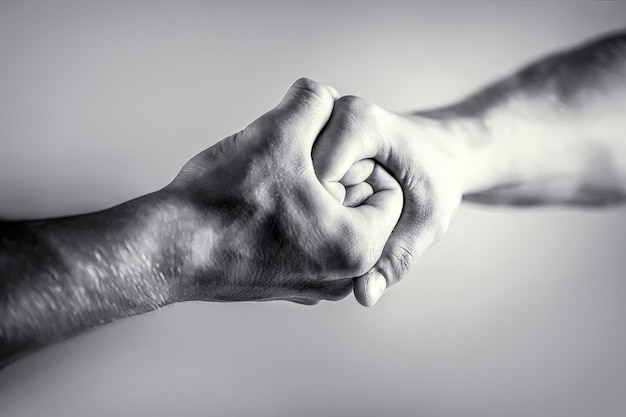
(427, 167)
(318, 191)
(552, 133)
(280, 234)
(246, 219)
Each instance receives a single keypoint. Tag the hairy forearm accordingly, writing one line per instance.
(554, 132)
(59, 277)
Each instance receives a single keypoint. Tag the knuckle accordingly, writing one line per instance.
(429, 210)
(356, 106)
(401, 260)
(313, 90)
(421, 200)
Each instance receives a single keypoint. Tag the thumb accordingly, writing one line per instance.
(381, 212)
(369, 288)
(408, 240)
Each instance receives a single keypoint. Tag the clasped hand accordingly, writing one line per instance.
(315, 193)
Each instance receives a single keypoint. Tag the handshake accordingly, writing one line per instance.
(321, 195)
(318, 196)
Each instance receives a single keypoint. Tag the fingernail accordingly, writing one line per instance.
(376, 286)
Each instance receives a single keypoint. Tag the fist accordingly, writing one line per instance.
(417, 154)
(260, 224)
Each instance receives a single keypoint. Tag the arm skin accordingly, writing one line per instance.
(552, 133)
(246, 219)
(59, 277)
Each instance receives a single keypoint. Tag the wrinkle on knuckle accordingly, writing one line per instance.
(312, 90)
(402, 259)
(355, 105)
(354, 116)
(420, 198)
(429, 210)
(310, 95)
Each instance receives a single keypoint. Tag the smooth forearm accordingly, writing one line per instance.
(59, 277)
(552, 133)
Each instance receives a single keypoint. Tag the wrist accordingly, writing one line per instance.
(191, 236)
(143, 248)
(464, 142)
(82, 271)
(164, 241)
(515, 153)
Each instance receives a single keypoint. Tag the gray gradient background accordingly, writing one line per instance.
(515, 313)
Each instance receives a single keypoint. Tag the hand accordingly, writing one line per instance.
(260, 224)
(428, 166)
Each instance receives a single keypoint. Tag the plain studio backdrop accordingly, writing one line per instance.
(516, 312)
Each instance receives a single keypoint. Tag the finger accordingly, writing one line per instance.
(384, 209)
(358, 172)
(355, 177)
(369, 288)
(344, 142)
(408, 240)
(355, 132)
(356, 195)
(337, 190)
(378, 215)
(304, 110)
(380, 212)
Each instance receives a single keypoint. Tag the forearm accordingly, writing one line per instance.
(59, 277)
(555, 132)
